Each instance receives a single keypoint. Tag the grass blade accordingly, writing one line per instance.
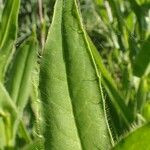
(8, 32)
(142, 60)
(141, 95)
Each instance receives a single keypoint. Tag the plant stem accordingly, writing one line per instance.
(40, 6)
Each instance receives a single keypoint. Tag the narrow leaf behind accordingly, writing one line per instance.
(19, 81)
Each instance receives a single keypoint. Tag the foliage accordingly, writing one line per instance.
(74, 80)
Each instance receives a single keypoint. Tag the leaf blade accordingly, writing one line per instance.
(63, 85)
(139, 139)
(142, 61)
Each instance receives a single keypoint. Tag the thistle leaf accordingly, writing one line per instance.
(70, 86)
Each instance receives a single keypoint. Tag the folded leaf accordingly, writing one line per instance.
(19, 78)
(70, 86)
(19, 81)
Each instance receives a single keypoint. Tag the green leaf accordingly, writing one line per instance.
(139, 139)
(146, 111)
(8, 32)
(23, 132)
(141, 95)
(36, 103)
(3, 135)
(19, 79)
(142, 60)
(9, 115)
(109, 84)
(70, 86)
